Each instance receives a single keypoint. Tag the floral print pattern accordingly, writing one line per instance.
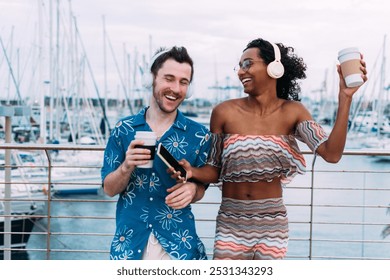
(176, 145)
(141, 208)
(169, 217)
(128, 195)
(182, 238)
(122, 239)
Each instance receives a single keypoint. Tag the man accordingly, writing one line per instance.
(153, 216)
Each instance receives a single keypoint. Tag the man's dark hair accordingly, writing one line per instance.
(179, 54)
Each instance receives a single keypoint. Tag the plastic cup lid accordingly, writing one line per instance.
(145, 134)
(348, 50)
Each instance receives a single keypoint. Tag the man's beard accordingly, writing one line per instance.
(160, 102)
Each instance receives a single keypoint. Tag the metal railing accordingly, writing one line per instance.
(335, 211)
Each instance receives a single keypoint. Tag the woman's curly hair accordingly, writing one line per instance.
(287, 87)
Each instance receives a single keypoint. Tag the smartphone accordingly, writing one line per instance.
(170, 161)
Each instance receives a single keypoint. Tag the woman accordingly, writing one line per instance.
(255, 151)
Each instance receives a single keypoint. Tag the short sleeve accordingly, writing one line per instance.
(216, 149)
(311, 133)
(114, 155)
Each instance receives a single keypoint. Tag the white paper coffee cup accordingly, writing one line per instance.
(349, 59)
(149, 138)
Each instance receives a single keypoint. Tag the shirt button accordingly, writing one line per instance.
(150, 225)
(151, 198)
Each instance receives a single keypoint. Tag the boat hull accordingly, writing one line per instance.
(21, 229)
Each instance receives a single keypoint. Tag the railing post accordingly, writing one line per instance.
(364, 213)
(7, 191)
(49, 166)
(311, 208)
(8, 112)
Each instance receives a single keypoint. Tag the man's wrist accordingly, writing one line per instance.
(197, 186)
(123, 170)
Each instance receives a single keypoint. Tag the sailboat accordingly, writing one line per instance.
(371, 126)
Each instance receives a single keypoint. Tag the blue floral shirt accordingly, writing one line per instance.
(141, 208)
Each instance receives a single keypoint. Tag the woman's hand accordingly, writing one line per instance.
(349, 92)
(176, 174)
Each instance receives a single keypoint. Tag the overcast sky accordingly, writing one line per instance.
(214, 32)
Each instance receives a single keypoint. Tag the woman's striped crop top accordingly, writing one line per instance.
(253, 158)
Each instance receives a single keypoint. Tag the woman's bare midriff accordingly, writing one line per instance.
(252, 191)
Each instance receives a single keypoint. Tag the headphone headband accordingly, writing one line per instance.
(157, 55)
(276, 51)
(275, 69)
(147, 77)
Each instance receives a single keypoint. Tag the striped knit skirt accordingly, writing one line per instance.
(251, 230)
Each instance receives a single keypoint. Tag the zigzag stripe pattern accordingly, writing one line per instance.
(311, 133)
(253, 158)
(251, 229)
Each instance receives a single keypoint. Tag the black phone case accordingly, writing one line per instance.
(170, 160)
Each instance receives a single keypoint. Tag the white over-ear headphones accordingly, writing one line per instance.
(275, 69)
(147, 76)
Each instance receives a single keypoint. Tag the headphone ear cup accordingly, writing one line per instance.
(190, 92)
(275, 69)
(147, 79)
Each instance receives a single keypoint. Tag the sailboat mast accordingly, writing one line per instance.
(104, 131)
(381, 89)
(58, 92)
(51, 70)
(42, 88)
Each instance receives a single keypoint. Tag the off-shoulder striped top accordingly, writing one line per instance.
(253, 158)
